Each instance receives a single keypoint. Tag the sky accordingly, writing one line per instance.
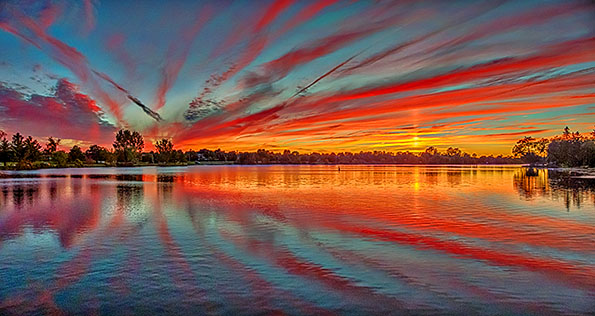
(324, 76)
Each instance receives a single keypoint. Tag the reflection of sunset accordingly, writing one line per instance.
(530, 187)
(557, 186)
(307, 225)
(283, 157)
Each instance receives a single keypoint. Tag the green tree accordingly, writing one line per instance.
(587, 153)
(530, 150)
(33, 148)
(566, 134)
(25, 150)
(570, 149)
(98, 153)
(179, 156)
(430, 155)
(165, 150)
(453, 152)
(76, 154)
(5, 149)
(564, 152)
(60, 158)
(51, 146)
(128, 146)
(110, 158)
(18, 147)
(432, 151)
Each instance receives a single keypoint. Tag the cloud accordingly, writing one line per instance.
(177, 54)
(450, 71)
(362, 116)
(67, 113)
(278, 68)
(89, 16)
(256, 44)
(29, 30)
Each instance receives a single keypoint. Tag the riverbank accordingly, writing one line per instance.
(37, 166)
(12, 166)
(585, 172)
(576, 172)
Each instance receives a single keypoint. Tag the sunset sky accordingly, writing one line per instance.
(321, 76)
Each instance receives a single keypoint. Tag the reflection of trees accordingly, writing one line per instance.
(531, 186)
(454, 178)
(557, 186)
(571, 190)
(4, 200)
(22, 191)
(52, 191)
(44, 211)
(129, 177)
(165, 178)
(18, 194)
(129, 196)
(165, 184)
(431, 177)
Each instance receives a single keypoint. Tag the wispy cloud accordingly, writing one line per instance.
(324, 75)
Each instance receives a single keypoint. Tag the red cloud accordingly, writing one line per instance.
(66, 114)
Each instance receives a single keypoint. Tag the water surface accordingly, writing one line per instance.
(248, 240)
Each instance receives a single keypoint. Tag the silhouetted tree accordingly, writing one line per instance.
(5, 149)
(566, 134)
(587, 153)
(60, 157)
(148, 157)
(33, 149)
(530, 150)
(98, 153)
(191, 155)
(128, 148)
(178, 156)
(165, 150)
(432, 150)
(51, 146)
(128, 145)
(76, 154)
(24, 149)
(18, 147)
(571, 150)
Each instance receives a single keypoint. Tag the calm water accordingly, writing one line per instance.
(296, 240)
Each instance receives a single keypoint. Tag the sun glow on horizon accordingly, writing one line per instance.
(330, 76)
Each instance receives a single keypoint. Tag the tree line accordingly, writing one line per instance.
(571, 149)
(20, 152)
(430, 156)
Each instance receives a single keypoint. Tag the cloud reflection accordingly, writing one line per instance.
(285, 238)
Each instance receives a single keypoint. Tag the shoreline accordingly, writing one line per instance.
(579, 170)
(223, 163)
(576, 172)
(96, 165)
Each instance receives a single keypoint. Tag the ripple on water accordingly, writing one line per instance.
(298, 240)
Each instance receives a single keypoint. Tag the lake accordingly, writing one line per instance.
(253, 240)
